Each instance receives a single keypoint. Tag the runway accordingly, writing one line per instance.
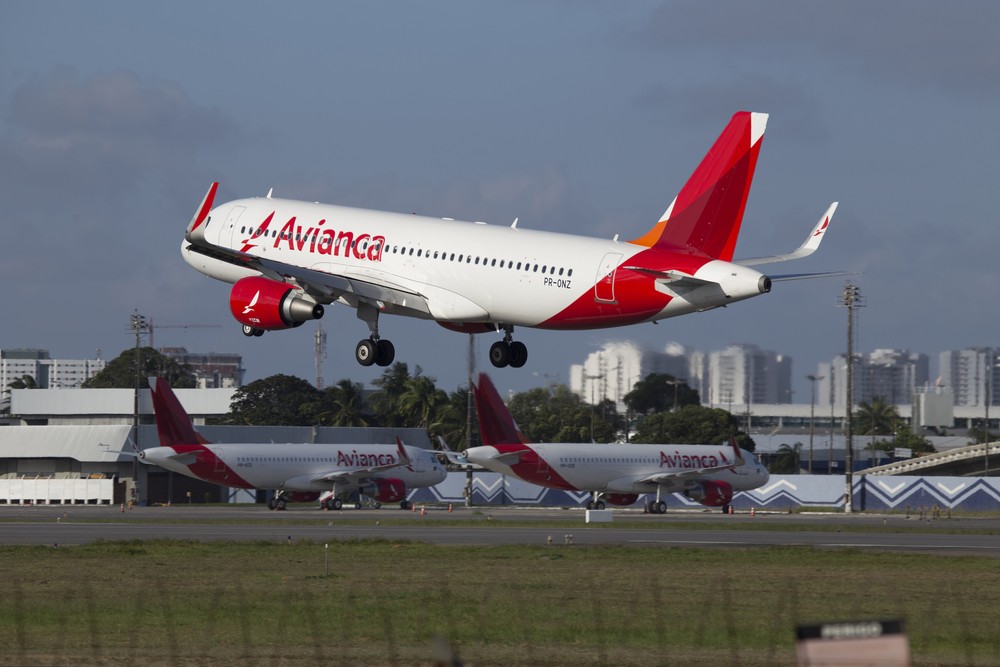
(64, 525)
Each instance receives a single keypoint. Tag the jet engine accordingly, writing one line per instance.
(264, 304)
(389, 490)
(622, 499)
(711, 493)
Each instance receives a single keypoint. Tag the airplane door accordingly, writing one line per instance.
(604, 287)
(229, 227)
(218, 466)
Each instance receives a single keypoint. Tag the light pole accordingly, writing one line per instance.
(812, 416)
(851, 299)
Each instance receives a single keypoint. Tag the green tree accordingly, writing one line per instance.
(787, 460)
(906, 438)
(119, 373)
(453, 422)
(421, 402)
(555, 414)
(385, 401)
(876, 418)
(279, 400)
(344, 403)
(660, 392)
(691, 425)
(23, 382)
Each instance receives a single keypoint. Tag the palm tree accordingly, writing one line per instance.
(876, 418)
(421, 402)
(347, 401)
(786, 461)
(23, 382)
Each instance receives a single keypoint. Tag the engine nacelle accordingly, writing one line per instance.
(266, 304)
(711, 493)
(389, 490)
(622, 499)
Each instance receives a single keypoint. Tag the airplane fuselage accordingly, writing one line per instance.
(467, 272)
(292, 467)
(619, 468)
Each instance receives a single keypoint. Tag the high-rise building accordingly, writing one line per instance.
(45, 372)
(892, 375)
(972, 374)
(744, 374)
(611, 372)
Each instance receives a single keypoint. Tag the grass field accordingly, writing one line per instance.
(389, 603)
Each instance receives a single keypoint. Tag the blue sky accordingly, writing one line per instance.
(571, 116)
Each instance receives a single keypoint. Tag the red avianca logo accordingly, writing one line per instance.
(319, 240)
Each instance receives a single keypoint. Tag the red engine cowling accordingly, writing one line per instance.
(389, 490)
(711, 493)
(266, 304)
(622, 499)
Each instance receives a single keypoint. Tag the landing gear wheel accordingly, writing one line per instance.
(250, 331)
(590, 504)
(279, 504)
(366, 352)
(500, 354)
(518, 354)
(336, 504)
(658, 507)
(270, 504)
(385, 352)
(405, 505)
(599, 505)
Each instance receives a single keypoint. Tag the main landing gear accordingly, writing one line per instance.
(508, 352)
(657, 506)
(250, 331)
(373, 350)
(595, 503)
(278, 502)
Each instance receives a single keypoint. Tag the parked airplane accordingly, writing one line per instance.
(287, 258)
(617, 473)
(382, 472)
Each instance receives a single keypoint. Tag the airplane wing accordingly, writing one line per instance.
(808, 247)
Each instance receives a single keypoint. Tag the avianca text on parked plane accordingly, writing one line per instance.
(617, 473)
(286, 259)
(382, 472)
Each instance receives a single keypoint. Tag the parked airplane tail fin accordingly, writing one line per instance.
(496, 425)
(172, 423)
(707, 213)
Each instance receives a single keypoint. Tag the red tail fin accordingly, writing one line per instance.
(172, 423)
(708, 211)
(496, 425)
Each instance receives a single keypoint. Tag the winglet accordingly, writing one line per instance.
(808, 247)
(196, 228)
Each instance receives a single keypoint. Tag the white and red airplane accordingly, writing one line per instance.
(381, 472)
(617, 473)
(287, 258)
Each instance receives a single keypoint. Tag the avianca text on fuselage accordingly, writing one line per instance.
(318, 240)
(692, 461)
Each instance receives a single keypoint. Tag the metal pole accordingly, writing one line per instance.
(851, 299)
(812, 416)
